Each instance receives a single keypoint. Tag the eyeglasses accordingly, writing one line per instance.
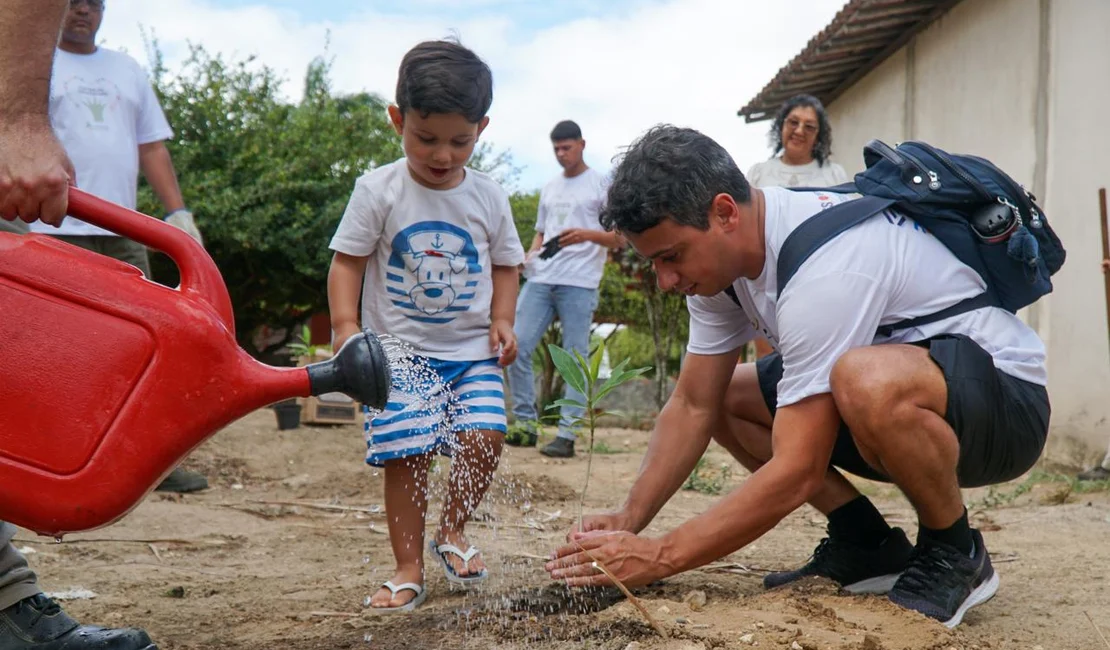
(809, 127)
(94, 5)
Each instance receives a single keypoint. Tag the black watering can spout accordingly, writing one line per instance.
(360, 370)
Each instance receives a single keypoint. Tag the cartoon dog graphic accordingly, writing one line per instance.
(436, 258)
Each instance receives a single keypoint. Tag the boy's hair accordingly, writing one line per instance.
(822, 147)
(566, 130)
(444, 77)
(671, 173)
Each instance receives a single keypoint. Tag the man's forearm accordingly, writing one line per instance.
(609, 239)
(506, 283)
(679, 439)
(28, 36)
(803, 437)
(537, 242)
(738, 519)
(157, 166)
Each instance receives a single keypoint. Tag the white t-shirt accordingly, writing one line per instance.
(429, 279)
(775, 173)
(567, 203)
(103, 107)
(880, 272)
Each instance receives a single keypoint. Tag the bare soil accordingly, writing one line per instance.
(289, 541)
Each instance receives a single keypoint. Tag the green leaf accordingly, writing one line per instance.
(559, 403)
(619, 376)
(595, 364)
(618, 380)
(585, 366)
(568, 368)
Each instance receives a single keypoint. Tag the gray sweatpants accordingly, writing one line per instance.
(17, 580)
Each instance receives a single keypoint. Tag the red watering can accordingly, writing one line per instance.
(108, 380)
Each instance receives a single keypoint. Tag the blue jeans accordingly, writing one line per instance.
(535, 310)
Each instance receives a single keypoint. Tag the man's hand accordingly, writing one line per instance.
(609, 522)
(502, 339)
(183, 220)
(34, 172)
(572, 236)
(635, 561)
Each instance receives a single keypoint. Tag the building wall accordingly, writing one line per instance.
(1078, 154)
(985, 79)
(872, 108)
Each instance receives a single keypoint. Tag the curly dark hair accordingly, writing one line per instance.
(822, 148)
(671, 173)
(444, 77)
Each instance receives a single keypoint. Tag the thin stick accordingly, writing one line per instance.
(1105, 250)
(320, 506)
(1100, 634)
(733, 567)
(529, 556)
(659, 629)
(340, 614)
(154, 549)
(105, 540)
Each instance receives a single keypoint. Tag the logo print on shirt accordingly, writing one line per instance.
(434, 262)
(99, 97)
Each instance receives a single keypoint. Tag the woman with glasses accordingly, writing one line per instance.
(802, 141)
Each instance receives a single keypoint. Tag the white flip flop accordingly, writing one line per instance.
(441, 552)
(421, 596)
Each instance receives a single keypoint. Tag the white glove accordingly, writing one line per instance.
(183, 220)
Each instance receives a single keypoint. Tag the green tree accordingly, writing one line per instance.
(667, 319)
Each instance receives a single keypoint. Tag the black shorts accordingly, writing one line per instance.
(1000, 421)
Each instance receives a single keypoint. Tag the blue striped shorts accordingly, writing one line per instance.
(414, 424)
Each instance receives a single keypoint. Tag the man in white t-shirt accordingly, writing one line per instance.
(106, 115)
(563, 268)
(955, 402)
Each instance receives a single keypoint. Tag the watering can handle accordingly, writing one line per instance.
(199, 276)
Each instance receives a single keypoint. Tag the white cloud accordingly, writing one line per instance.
(690, 62)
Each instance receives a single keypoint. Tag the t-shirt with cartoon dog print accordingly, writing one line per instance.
(429, 278)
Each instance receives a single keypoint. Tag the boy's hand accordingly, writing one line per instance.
(502, 337)
(344, 331)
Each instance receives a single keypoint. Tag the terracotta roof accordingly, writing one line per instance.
(861, 36)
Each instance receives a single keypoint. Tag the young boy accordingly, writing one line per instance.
(432, 247)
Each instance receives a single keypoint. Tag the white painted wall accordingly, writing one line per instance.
(1078, 164)
(872, 108)
(968, 84)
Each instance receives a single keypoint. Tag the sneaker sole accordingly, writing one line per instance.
(980, 595)
(876, 585)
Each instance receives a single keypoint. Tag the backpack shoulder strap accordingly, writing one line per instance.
(732, 294)
(816, 231)
(843, 188)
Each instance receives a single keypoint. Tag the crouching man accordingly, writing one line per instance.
(955, 402)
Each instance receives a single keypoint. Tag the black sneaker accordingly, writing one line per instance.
(1099, 473)
(182, 481)
(38, 623)
(559, 448)
(943, 583)
(857, 569)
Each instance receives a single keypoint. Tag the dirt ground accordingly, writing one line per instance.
(283, 549)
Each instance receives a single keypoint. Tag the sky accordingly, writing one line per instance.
(617, 67)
